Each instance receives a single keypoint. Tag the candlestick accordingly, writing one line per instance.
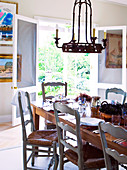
(93, 32)
(104, 35)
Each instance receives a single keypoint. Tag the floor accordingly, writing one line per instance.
(4, 126)
(11, 158)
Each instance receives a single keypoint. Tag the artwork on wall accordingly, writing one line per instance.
(114, 51)
(7, 10)
(6, 67)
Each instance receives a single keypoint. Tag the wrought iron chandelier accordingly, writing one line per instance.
(75, 46)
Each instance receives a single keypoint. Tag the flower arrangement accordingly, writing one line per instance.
(82, 96)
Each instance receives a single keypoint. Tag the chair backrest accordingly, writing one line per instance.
(117, 132)
(25, 113)
(52, 84)
(116, 91)
(61, 127)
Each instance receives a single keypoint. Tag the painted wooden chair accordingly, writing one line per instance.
(50, 125)
(51, 84)
(82, 154)
(117, 132)
(116, 91)
(36, 141)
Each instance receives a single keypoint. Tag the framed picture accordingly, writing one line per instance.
(6, 67)
(114, 51)
(7, 10)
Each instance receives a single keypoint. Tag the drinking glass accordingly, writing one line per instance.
(116, 119)
(88, 109)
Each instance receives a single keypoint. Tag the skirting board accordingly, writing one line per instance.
(5, 118)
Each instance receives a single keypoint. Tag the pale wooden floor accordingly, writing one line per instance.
(4, 126)
(10, 136)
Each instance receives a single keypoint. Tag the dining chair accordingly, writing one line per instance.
(51, 84)
(41, 143)
(48, 124)
(116, 91)
(119, 133)
(80, 153)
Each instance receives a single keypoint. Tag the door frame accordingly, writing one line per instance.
(30, 89)
(96, 66)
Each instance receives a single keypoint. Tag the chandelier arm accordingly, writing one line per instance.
(73, 23)
(79, 21)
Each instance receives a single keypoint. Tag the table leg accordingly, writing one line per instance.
(36, 119)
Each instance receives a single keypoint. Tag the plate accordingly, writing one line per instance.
(89, 121)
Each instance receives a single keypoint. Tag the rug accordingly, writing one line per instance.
(11, 138)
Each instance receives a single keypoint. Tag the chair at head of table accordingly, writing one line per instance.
(48, 124)
(116, 91)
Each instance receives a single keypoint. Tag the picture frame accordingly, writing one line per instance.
(114, 51)
(7, 11)
(6, 67)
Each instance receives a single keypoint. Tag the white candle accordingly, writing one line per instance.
(56, 30)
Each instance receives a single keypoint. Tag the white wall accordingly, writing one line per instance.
(5, 92)
(108, 14)
(104, 14)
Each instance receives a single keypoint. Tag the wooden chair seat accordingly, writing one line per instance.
(43, 137)
(94, 160)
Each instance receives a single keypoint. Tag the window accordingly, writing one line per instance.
(54, 65)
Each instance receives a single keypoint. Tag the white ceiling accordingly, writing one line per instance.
(120, 2)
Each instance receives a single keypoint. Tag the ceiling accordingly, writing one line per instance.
(120, 2)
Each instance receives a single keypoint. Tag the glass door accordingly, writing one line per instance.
(25, 45)
(110, 67)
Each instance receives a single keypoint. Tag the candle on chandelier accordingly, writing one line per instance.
(56, 33)
(74, 37)
(104, 35)
(93, 32)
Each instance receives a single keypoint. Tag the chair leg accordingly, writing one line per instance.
(49, 151)
(61, 157)
(56, 156)
(32, 163)
(24, 157)
(50, 164)
(55, 159)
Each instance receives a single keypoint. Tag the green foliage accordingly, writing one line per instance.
(51, 67)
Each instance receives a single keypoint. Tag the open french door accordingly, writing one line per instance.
(109, 67)
(25, 46)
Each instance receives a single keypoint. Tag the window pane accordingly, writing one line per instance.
(54, 65)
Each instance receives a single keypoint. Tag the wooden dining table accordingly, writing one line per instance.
(87, 134)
